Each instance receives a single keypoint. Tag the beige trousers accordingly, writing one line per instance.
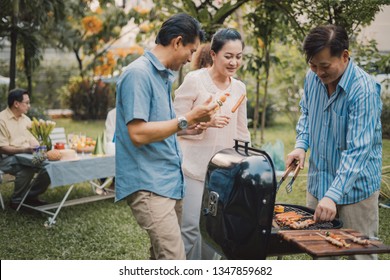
(362, 216)
(160, 217)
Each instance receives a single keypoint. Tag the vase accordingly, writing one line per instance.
(46, 142)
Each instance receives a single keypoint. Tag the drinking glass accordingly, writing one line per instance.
(70, 140)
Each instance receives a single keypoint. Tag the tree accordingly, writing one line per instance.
(89, 33)
(350, 14)
(22, 22)
(269, 25)
(212, 14)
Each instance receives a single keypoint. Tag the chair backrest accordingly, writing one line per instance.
(58, 135)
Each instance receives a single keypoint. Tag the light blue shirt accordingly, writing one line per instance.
(144, 92)
(344, 134)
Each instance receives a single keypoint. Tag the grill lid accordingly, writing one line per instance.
(238, 202)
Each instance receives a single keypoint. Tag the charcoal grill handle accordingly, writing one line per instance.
(236, 145)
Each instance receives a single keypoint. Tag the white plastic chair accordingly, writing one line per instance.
(58, 135)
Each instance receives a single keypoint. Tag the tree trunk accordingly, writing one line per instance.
(28, 71)
(263, 113)
(79, 61)
(14, 37)
(256, 110)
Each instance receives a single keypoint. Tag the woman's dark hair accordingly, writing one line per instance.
(180, 25)
(222, 36)
(321, 37)
(16, 95)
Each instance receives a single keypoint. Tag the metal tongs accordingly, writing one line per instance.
(294, 166)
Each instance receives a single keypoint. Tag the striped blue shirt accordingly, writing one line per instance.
(344, 135)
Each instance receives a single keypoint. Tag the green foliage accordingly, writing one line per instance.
(348, 13)
(3, 97)
(287, 80)
(24, 23)
(49, 79)
(213, 15)
(385, 117)
(38, 113)
(269, 115)
(367, 56)
(87, 98)
(89, 34)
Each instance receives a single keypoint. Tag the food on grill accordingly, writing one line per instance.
(332, 235)
(279, 208)
(331, 240)
(357, 239)
(288, 218)
(302, 224)
(53, 155)
(289, 214)
(235, 107)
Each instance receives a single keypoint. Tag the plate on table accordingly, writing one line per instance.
(88, 149)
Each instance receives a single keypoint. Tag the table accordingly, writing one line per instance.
(61, 173)
(316, 246)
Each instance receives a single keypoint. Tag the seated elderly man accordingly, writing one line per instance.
(15, 139)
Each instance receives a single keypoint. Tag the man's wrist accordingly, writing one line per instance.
(182, 122)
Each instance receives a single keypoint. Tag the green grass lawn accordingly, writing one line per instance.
(107, 230)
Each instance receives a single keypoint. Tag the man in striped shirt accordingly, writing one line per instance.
(340, 122)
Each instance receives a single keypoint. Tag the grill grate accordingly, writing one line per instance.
(305, 216)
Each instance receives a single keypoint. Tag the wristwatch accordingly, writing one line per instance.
(182, 122)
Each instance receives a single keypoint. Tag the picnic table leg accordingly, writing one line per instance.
(100, 188)
(29, 189)
(52, 220)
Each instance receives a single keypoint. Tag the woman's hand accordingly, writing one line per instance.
(219, 121)
(194, 129)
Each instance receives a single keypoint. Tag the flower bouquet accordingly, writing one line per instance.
(41, 131)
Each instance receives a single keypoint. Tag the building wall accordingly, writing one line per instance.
(379, 30)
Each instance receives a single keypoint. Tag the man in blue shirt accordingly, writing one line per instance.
(148, 157)
(340, 122)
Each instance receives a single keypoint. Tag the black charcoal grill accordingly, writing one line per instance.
(238, 206)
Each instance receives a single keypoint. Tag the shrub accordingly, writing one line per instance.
(269, 114)
(385, 117)
(88, 99)
(38, 113)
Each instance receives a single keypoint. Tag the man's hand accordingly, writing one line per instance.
(326, 210)
(298, 155)
(202, 113)
(10, 150)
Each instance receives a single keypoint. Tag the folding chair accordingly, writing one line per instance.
(58, 135)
